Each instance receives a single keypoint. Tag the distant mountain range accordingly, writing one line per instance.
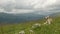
(15, 18)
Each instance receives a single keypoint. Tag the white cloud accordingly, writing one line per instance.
(21, 11)
(27, 6)
(5, 1)
(35, 4)
(17, 11)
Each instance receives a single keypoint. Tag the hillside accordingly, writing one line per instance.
(55, 14)
(53, 28)
(15, 18)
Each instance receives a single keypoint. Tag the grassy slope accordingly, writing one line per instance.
(53, 28)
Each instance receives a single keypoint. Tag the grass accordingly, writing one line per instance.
(53, 28)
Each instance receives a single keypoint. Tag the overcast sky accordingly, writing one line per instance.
(28, 6)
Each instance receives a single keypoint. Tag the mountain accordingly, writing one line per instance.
(55, 14)
(13, 18)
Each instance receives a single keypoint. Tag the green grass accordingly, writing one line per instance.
(53, 28)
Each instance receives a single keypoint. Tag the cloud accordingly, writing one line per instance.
(16, 11)
(28, 6)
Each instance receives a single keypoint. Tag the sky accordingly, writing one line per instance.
(29, 6)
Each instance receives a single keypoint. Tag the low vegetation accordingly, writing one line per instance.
(53, 28)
